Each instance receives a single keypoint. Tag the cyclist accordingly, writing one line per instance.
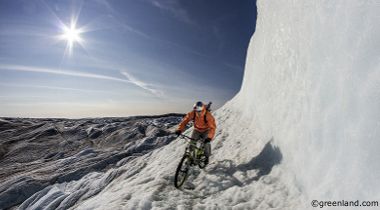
(204, 126)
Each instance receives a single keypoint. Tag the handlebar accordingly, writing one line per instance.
(187, 137)
(190, 140)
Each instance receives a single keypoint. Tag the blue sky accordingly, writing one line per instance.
(111, 58)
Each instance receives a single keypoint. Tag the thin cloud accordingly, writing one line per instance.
(141, 84)
(234, 66)
(60, 72)
(55, 88)
(106, 4)
(174, 8)
(130, 78)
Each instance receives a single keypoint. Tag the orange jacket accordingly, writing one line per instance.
(199, 122)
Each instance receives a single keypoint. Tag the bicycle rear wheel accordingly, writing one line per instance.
(202, 161)
(181, 172)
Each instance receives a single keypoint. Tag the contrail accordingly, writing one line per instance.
(141, 84)
(130, 78)
(60, 72)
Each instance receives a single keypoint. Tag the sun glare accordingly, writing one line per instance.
(71, 34)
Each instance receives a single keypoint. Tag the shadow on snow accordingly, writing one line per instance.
(263, 163)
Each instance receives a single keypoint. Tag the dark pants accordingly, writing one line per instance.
(203, 135)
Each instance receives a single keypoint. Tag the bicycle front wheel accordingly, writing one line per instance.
(181, 172)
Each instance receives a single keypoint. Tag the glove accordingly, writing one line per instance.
(207, 140)
(178, 132)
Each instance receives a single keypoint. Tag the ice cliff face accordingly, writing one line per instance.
(312, 82)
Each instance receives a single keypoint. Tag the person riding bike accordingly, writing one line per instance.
(204, 126)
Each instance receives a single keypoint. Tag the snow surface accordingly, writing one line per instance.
(38, 153)
(305, 125)
(312, 82)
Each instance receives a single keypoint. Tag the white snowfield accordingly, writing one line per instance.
(305, 125)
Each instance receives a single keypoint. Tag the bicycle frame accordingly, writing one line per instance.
(193, 152)
(197, 148)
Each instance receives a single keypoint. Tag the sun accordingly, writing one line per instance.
(72, 35)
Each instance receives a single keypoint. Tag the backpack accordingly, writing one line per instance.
(208, 109)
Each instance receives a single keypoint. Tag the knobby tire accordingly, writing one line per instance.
(201, 162)
(182, 171)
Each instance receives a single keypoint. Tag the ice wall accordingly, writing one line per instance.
(312, 82)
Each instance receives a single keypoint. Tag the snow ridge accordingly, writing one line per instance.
(38, 155)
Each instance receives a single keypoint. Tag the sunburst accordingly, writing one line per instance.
(71, 35)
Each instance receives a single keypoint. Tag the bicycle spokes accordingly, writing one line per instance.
(194, 155)
(182, 171)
